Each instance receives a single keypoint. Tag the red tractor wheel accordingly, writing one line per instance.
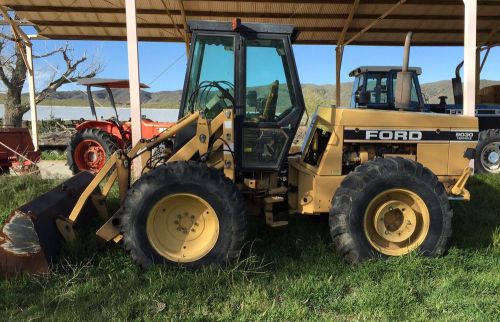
(89, 150)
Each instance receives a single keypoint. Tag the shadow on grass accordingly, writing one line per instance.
(476, 223)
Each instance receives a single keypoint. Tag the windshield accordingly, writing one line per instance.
(211, 77)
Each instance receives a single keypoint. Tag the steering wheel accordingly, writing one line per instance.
(272, 99)
(200, 97)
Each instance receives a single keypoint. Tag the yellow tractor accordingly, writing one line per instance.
(385, 177)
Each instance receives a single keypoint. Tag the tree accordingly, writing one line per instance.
(13, 75)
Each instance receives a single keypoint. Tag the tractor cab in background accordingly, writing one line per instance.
(374, 87)
(95, 140)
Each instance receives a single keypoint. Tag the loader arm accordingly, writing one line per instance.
(117, 168)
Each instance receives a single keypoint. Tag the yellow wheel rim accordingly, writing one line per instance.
(182, 227)
(396, 222)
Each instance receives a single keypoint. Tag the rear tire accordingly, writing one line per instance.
(162, 222)
(102, 143)
(488, 152)
(390, 207)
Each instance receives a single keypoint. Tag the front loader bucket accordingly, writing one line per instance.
(30, 239)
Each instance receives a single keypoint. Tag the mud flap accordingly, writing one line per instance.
(30, 239)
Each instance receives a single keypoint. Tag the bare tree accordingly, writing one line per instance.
(13, 75)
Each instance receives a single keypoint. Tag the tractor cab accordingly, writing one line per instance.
(249, 68)
(374, 87)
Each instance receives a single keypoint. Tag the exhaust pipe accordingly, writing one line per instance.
(456, 83)
(406, 54)
(403, 86)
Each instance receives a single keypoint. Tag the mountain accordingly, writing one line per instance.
(314, 95)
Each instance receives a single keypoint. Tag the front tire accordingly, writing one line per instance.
(390, 207)
(488, 152)
(183, 213)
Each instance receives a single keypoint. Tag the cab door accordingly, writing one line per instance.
(271, 99)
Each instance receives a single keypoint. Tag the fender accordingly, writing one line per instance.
(105, 126)
(149, 128)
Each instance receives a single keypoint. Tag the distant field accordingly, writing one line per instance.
(314, 95)
(79, 103)
(287, 274)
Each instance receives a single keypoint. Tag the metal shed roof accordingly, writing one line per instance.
(434, 22)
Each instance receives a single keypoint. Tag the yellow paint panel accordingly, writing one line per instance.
(434, 156)
(400, 119)
(457, 162)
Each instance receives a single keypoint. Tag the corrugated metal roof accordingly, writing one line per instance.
(438, 22)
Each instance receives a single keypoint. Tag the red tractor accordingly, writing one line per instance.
(95, 140)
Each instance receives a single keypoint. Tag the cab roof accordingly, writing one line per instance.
(242, 27)
(107, 82)
(365, 69)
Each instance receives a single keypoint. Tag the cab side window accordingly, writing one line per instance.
(269, 91)
(376, 88)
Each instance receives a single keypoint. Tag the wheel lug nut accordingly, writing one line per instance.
(390, 208)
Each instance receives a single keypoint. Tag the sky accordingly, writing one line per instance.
(163, 65)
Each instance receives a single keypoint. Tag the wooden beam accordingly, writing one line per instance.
(387, 2)
(111, 38)
(490, 35)
(31, 86)
(4, 22)
(326, 41)
(347, 24)
(458, 42)
(484, 59)
(184, 20)
(134, 80)
(176, 26)
(65, 23)
(373, 23)
(470, 44)
(339, 51)
(226, 14)
(16, 29)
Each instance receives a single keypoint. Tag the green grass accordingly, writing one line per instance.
(53, 155)
(287, 274)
